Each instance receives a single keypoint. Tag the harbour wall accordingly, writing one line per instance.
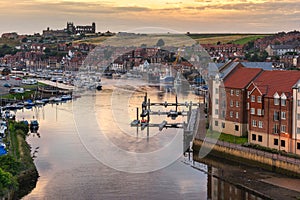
(247, 158)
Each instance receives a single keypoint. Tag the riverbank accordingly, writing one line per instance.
(18, 162)
(251, 175)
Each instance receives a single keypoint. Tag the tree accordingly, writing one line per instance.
(160, 43)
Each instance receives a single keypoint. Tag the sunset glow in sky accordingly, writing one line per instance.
(202, 16)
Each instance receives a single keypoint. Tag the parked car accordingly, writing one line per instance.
(7, 85)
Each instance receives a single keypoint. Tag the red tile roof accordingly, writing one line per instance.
(270, 82)
(241, 77)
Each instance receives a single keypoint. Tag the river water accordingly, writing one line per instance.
(69, 167)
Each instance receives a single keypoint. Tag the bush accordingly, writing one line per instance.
(10, 164)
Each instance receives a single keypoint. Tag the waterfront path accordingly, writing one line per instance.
(201, 135)
(56, 84)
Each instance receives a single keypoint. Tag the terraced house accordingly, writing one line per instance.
(263, 104)
(273, 110)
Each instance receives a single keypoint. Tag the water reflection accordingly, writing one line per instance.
(68, 171)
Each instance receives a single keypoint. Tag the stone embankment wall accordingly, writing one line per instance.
(248, 158)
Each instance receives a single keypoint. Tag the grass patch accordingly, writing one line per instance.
(17, 96)
(226, 137)
(245, 40)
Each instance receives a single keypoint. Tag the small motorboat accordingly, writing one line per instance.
(34, 125)
(57, 99)
(39, 102)
(45, 100)
(66, 97)
(29, 103)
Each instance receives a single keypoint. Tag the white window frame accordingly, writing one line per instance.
(254, 123)
(252, 98)
(283, 115)
(259, 112)
(283, 102)
(252, 111)
(259, 99)
(260, 124)
(283, 128)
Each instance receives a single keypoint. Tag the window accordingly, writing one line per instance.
(248, 94)
(276, 142)
(276, 115)
(237, 92)
(298, 102)
(260, 138)
(260, 124)
(298, 130)
(223, 113)
(237, 104)
(252, 98)
(259, 112)
(217, 90)
(282, 143)
(231, 92)
(254, 137)
(248, 106)
(283, 128)
(283, 115)
(217, 101)
(216, 111)
(237, 115)
(216, 123)
(298, 116)
(276, 128)
(252, 111)
(276, 101)
(254, 123)
(231, 103)
(231, 113)
(283, 102)
(258, 99)
(223, 104)
(298, 145)
(236, 127)
(223, 124)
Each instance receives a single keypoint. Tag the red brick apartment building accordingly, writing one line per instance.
(273, 110)
(265, 105)
(229, 113)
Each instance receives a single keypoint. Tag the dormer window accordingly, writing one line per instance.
(276, 99)
(283, 99)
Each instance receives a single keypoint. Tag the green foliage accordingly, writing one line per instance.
(20, 126)
(7, 182)
(256, 56)
(9, 164)
(5, 49)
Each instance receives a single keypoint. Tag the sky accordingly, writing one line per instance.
(195, 16)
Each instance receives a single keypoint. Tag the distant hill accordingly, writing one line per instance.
(226, 38)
